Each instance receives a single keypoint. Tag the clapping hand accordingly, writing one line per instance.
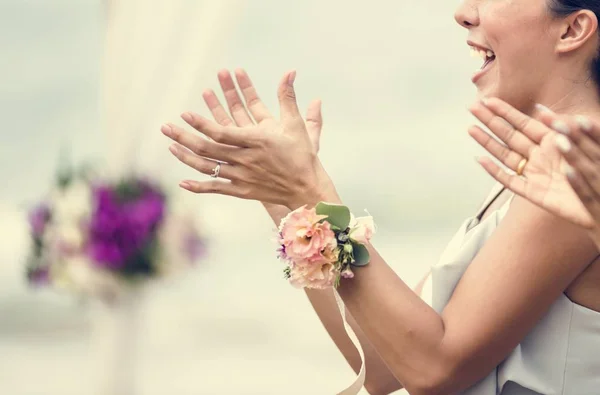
(556, 159)
(274, 161)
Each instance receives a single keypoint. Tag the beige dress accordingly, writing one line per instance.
(561, 354)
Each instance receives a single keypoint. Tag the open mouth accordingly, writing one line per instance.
(487, 55)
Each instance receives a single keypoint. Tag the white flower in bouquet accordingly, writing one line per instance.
(71, 203)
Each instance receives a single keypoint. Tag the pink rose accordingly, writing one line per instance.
(304, 238)
(362, 229)
(311, 275)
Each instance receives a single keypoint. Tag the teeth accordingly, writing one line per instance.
(481, 53)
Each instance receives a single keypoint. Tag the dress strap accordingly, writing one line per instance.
(494, 194)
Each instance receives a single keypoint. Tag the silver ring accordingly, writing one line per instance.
(216, 170)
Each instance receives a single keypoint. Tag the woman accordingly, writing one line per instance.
(497, 319)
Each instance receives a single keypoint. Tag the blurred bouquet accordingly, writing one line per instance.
(101, 237)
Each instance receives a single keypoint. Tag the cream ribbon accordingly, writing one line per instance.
(358, 383)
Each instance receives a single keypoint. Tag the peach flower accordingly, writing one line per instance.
(316, 276)
(304, 238)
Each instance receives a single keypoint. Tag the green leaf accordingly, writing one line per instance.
(361, 255)
(337, 215)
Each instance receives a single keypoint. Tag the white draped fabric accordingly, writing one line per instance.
(155, 54)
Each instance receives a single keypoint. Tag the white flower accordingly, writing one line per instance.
(70, 235)
(361, 229)
(73, 203)
(78, 274)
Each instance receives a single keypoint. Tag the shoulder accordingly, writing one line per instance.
(521, 270)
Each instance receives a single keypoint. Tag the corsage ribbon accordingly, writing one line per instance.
(356, 386)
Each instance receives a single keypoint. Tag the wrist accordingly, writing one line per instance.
(321, 189)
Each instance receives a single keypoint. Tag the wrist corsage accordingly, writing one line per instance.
(321, 245)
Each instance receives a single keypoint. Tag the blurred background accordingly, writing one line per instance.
(394, 78)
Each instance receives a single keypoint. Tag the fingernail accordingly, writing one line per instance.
(542, 108)
(186, 116)
(560, 126)
(292, 78)
(185, 185)
(563, 143)
(173, 149)
(484, 101)
(570, 172)
(584, 123)
(167, 130)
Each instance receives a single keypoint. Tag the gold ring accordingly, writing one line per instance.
(521, 166)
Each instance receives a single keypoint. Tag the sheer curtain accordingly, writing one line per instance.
(155, 55)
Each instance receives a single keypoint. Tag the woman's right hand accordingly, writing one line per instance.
(562, 172)
(248, 112)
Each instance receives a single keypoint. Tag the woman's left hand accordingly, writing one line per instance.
(533, 148)
(272, 161)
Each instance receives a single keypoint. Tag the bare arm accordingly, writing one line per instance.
(502, 295)
(379, 378)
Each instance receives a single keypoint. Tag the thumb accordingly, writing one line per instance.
(314, 117)
(314, 123)
(287, 98)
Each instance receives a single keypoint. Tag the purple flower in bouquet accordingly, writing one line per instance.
(123, 222)
(38, 218)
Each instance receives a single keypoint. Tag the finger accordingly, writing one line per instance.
(504, 154)
(234, 102)
(505, 131)
(513, 182)
(200, 145)
(204, 165)
(582, 170)
(575, 127)
(218, 111)
(532, 129)
(228, 135)
(220, 187)
(257, 108)
(590, 127)
(586, 194)
(579, 161)
(287, 99)
(579, 133)
(314, 119)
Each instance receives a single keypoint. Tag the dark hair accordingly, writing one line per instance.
(562, 8)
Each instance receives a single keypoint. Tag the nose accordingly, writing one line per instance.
(467, 14)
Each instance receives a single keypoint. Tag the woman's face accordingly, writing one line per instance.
(517, 38)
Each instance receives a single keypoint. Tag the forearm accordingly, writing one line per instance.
(379, 379)
(411, 340)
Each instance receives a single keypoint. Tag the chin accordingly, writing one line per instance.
(517, 99)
